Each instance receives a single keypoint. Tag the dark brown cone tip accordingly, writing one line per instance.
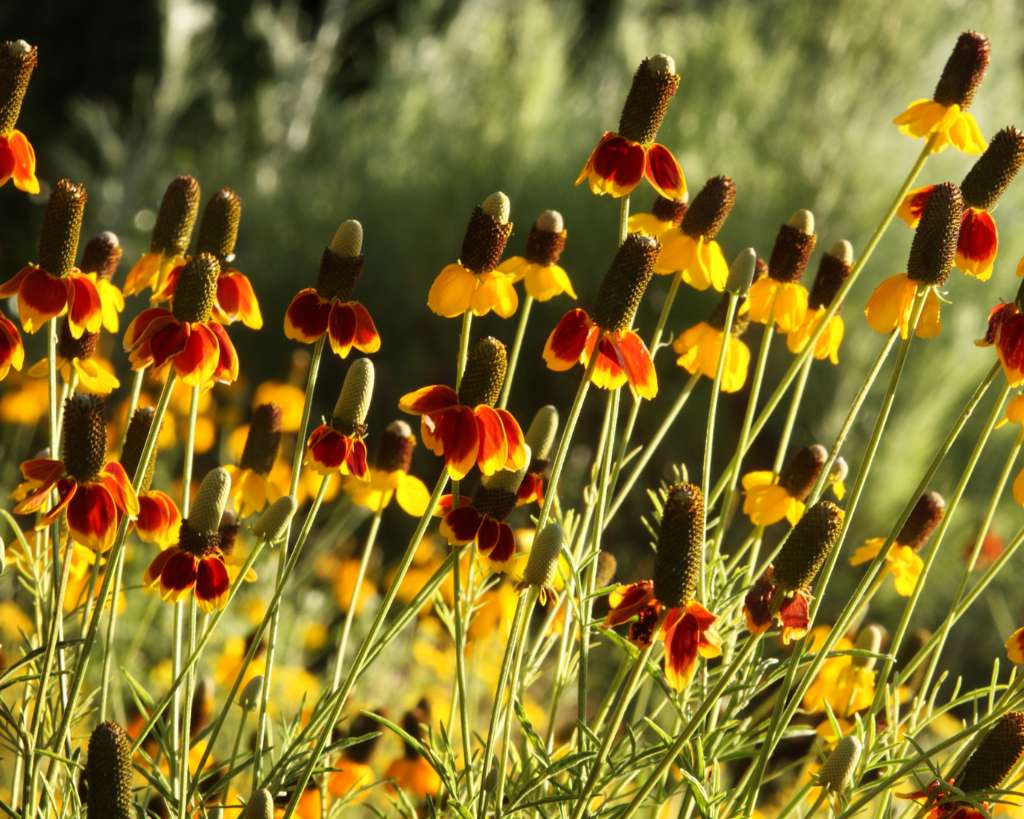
(484, 242)
(669, 210)
(395, 448)
(102, 255)
(196, 292)
(996, 755)
(829, 280)
(135, 441)
(808, 546)
(176, 217)
(625, 283)
(647, 101)
(934, 247)
(790, 254)
(721, 312)
(994, 169)
(803, 470)
(544, 247)
(62, 224)
(84, 442)
(263, 440)
(338, 275)
(195, 542)
(680, 545)
(964, 70)
(360, 727)
(710, 208)
(17, 62)
(415, 723)
(69, 347)
(218, 229)
(926, 515)
(498, 503)
(485, 373)
(108, 770)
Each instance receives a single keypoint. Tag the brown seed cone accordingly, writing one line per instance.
(740, 322)
(415, 723)
(497, 502)
(102, 255)
(803, 470)
(654, 84)
(680, 545)
(485, 372)
(18, 60)
(176, 217)
(484, 242)
(934, 247)
(263, 440)
(994, 170)
(964, 70)
(196, 542)
(134, 441)
(710, 208)
(338, 275)
(808, 546)
(791, 252)
(218, 229)
(395, 448)
(62, 224)
(669, 210)
(544, 247)
(926, 515)
(84, 442)
(625, 283)
(69, 347)
(361, 726)
(228, 532)
(108, 770)
(832, 274)
(196, 292)
(995, 756)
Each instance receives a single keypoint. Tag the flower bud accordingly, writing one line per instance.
(394, 451)
(833, 271)
(487, 234)
(837, 772)
(546, 240)
(540, 435)
(606, 568)
(840, 469)
(654, 84)
(994, 170)
(102, 255)
(803, 470)
(710, 208)
(934, 247)
(925, 516)
(259, 806)
(672, 211)
(792, 250)
(134, 442)
(543, 560)
(18, 60)
(680, 546)
(84, 441)
(249, 699)
(995, 756)
(870, 639)
(964, 70)
(741, 272)
(808, 546)
(353, 404)
(272, 524)
(108, 770)
(196, 291)
(62, 224)
(211, 501)
(263, 439)
(740, 321)
(176, 217)
(218, 229)
(341, 264)
(484, 376)
(625, 283)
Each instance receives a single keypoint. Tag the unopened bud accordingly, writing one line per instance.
(272, 524)
(249, 699)
(741, 272)
(259, 806)
(353, 404)
(486, 367)
(837, 772)
(540, 435)
(870, 640)
(606, 568)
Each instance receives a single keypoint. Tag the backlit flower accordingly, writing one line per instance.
(666, 605)
(251, 487)
(337, 446)
(768, 498)
(539, 269)
(76, 358)
(945, 115)
(540, 438)
(464, 427)
(692, 249)
(622, 357)
(833, 271)
(95, 493)
(664, 214)
(700, 347)
(389, 476)
(931, 256)
(845, 683)
(623, 158)
(328, 307)
(351, 770)
(12, 351)
(186, 336)
(779, 297)
(169, 239)
(100, 261)
(17, 157)
(1006, 332)
(411, 772)
(475, 282)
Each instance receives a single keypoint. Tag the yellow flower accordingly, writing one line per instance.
(380, 487)
(1014, 412)
(111, 302)
(845, 685)
(539, 267)
(890, 307)
(767, 502)
(784, 303)
(665, 214)
(951, 125)
(287, 396)
(457, 289)
(345, 574)
(1015, 647)
(95, 375)
(699, 349)
(828, 342)
(700, 260)
(24, 400)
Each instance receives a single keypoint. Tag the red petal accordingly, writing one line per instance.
(619, 161)
(156, 567)
(13, 285)
(505, 547)
(488, 535)
(237, 300)
(342, 328)
(158, 517)
(115, 479)
(492, 452)
(179, 572)
(459, 435)
(979, 239)
(682, 639)
(367, 339)
(40, 298)
(306, 318)
(44, 470)
(85, 310)
(428, 399)
(461, 525)
(328, 448)
(356, 459)
(145, 324)
(516, 440)
(212, 582)
(92, 516)
(167, 339)
(199, 359)
(638, 365)
(567, 341)
(627, 601)
(663, 172)
(226, 371)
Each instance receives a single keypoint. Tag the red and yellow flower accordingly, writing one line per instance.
(158, 519)
(539, 270)
(169, 239)
(18, 60)
(389, 477)
(691, 249)
(100, 261)
(833, 272)
(779, 297)
(411, 772)
(12, 351)
(77, 359)
(337, 446)
(1006, 333)
(251, 485)
(700, 347)
(623, 158)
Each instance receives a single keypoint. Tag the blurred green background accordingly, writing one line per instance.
(406, 115)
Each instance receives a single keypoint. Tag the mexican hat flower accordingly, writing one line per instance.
(623, 158)
(481, 520)
(903, 561)
(169, 239)
(100, 260)
(411, 772)
(539, 268)
(351, 772)
(768, 498)
(251, 487)
(96, 494)
(186, 337)
(12, 351)
(666, 605)
(622, 357)
(691, 248)
(475, 282)
(196, 563)
(337, 445)
(77, 360)
(389, 476)
(464, 427)
(663, 215)
(158, 519)
(541, 569)
(781, 595)
(945, 115)
(218, 233)
(833, 271)
(931, 257)
(54, 286)
(328, 307)
(540, 438)
(845, 683)
(779, 297)
(17, 157)
(1006, 333)
(978, 241)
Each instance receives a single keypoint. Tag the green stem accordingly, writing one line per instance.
(517, 346)
(513, 693)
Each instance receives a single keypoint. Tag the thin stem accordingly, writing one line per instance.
(513, 693)
(517, 346)
(186, 727)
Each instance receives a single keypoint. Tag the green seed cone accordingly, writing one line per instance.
(484, 377)
(259, 806)
(353, 404)
(869, 639)
(18, 60)
(934, 247)
(995, 756)
(625, 283)
(263, 439)
(543, 560)
(218, 229)
(272, 524)
(607, 565)
(211, 501)
(62, 225)
(196, 292)
(669, 210)
(249, 699)
(176, 217)
(808, 546)
(710, 208)
(837, 772)
(680, 546)
(654, 84)
(994, 169)
(540, 436)
(964, 70)
(741, 272)
(109, 773)
(84, 439)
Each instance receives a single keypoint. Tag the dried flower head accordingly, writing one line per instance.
(109, 772)
(792, 250)
(654, 84)
(263, 439)
(995, 756)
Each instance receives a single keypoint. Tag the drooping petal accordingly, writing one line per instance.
(156, 567)
(913, 204)
(638, 365)
(609, 371)
(515, 440)
(158, 520)
(22, 162)
(85, 310)
(200, 358)
(1015, 647)
(428, 399)
(12, 351)
(41, 297)
(412, 495)
(626, 601)
(355, 462)
(451, 294)
(492, 453)
(978, 244)
(615, 166)
(566, 343)
(794, 618)
(306, 318)
(212, 583)
(495, 291)
(178, 574)
(460, 525)
(889, 306)
(663, 172)
(367, 339)
(236, 300)
(459, 434)
(682, 639)
(328, 449)
(117, 482)
(504, 548)
(92, 516)
(341, 328)
(226, 371)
